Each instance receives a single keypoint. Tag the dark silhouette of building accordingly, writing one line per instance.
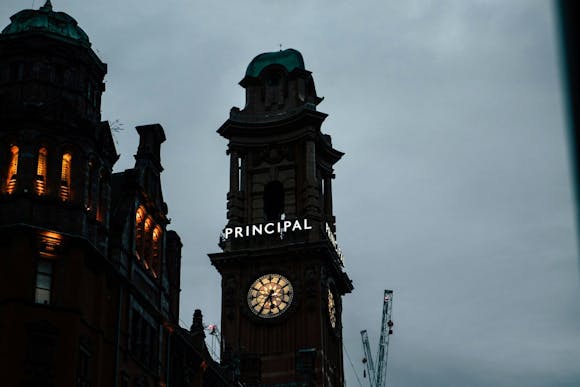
(90, 279)
(282, 272)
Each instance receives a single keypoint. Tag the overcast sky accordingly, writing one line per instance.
(454, 191)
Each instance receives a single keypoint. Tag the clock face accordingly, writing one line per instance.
(270, 295)
(331, 309)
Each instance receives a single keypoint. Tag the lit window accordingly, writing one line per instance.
(148, 223)
(147, 234)
(148, 239)
(65, 179)
(156, 250)
(12, 169)
(139, 223)
(139, 215)
(43, 281)
(50, 243)
(41, 172)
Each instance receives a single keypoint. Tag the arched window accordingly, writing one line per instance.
(147, 239)
(156, 253)
(139, 227)
(12, 169)
(41, 172)
(65, 178)
(273, 200)
(274, 84)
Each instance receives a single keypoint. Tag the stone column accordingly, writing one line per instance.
(234, 172)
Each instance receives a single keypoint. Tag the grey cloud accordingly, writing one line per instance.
(454, 190)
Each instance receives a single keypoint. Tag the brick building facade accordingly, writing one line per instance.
(89, 290)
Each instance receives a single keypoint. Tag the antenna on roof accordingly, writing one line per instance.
(47, 5)
(280, 46)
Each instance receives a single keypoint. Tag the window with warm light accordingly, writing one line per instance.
(43, 281)
(156, 254)
(40, 185)
(148, 241)
(147, 245)
(50, 244)
(12, 169)
(65, 178)
(139, 226)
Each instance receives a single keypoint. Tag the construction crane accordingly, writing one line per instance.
(378, 376)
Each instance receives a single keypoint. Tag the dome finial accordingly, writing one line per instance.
(47, 6)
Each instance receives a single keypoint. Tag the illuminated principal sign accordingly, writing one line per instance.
(279, 227)
(332, 239)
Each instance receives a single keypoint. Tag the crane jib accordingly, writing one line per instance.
(378, 376)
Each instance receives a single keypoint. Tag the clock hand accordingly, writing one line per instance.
(264, 304)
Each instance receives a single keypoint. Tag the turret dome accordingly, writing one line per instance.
(46, 21)
(289, 58)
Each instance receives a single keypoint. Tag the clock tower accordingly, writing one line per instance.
(282, 271)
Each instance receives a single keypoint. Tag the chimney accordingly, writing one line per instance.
(150, 139)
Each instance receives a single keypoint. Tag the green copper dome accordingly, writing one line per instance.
(45, 20)
(288, 58)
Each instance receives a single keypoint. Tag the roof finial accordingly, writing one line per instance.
(47, 6)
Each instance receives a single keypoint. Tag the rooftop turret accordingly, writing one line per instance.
(44, 20)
